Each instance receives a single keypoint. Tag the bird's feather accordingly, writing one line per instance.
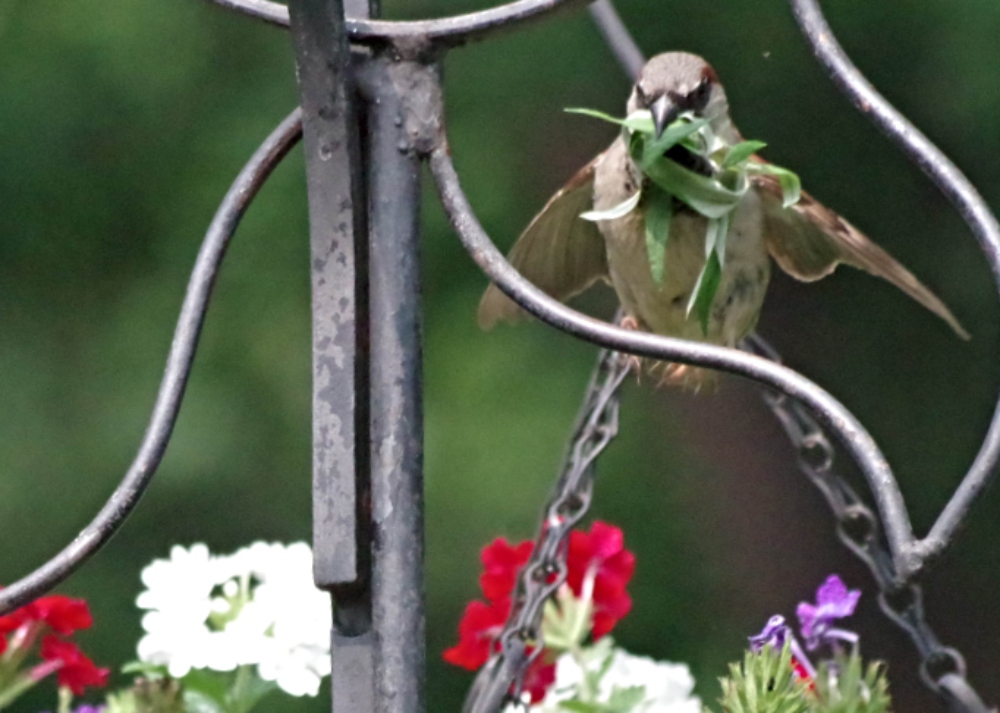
(559, 252)
(808, 241)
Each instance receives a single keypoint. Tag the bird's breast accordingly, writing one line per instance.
(662, 307)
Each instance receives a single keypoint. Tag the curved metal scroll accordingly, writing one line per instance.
(966, 199)
(910, 554)
(830, 411)
(168, 400)
(445, 32)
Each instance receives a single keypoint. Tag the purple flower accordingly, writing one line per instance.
(777, 634)
(89, 709)
(833, 601)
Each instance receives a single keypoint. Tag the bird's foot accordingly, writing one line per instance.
(634, 363)
(687, 377)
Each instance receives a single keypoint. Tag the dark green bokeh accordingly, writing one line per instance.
(122, 123)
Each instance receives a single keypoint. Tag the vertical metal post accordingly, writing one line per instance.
(364, 193)
(336, 218)
(339, 246)
(396, 403)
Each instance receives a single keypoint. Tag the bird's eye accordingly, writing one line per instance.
(640, 96)
(701, 94)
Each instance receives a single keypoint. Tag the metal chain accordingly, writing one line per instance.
(942, 668)
(520, 642)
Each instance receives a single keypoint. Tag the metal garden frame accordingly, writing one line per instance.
(371, 113)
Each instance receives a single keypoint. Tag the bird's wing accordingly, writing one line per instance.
(808, 241)
(559, 252)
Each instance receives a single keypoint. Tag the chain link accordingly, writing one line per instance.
(501, 680)
(942, 668)
(520, 642)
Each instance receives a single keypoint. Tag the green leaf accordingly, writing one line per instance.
(566, 622)
(213, 685)
(705, 289)
(764, 683)
(791, 185)
(653, 149)
(146, 670)
(197, 702)
(640, 121)
(741, 152)
(705, 195)
(158, 695)
(718, 232)
(619, 211)
(848, 687)
(624, 700)
(248, 689)
(581, 707)
(659, 214)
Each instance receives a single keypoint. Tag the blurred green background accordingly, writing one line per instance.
(122, 123)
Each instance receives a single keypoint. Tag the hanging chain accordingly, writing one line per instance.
(942, 668)
(520, 642)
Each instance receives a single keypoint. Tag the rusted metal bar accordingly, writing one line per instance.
(396, 90)
(339, 240)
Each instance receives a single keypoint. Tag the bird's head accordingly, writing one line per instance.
(676, 82)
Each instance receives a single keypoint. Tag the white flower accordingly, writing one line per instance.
(667, 686)
(257, 607)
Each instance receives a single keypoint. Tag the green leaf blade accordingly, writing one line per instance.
(704, 291)
(659, 214)
(618, 211)
(741, 152)
(674, 134)
(791, 184)
(703, 194)
(640, 121)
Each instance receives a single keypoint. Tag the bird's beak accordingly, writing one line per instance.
(664, 113)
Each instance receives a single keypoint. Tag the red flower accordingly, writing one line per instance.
(802, 673)
(598, 561)
(539, 677)
(479, 628)
(76, 671)
(8, 624)
(501, 564)
(599, 567)
(11, 622)
(63, 614)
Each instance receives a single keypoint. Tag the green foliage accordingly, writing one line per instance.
(208, 691)
(764, 683)
(741, 152)
(149, 695)
(621, 700)
(124, 123)
(658, 214)
(567, 621)
(596, 661)
(854, 689)
(714, 196)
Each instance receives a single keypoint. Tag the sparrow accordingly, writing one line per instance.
(563, 255)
